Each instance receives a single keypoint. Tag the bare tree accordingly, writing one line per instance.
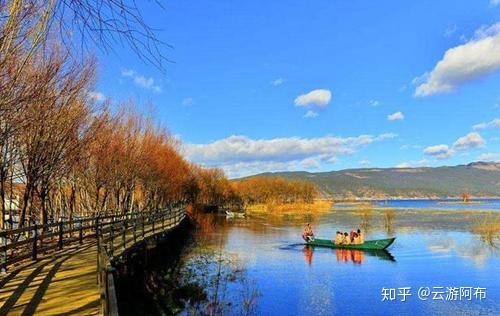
(82, 25)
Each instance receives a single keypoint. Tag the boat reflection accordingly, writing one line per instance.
(347, 255)
(350, 255)
(308, 254)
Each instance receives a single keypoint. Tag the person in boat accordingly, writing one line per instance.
(346, 240)
(355, 238)
(338, 238)
(308, 234)
(361, 237)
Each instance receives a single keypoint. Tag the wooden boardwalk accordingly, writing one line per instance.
(65, 282)
(61, 284)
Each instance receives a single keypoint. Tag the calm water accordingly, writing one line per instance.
(261, 264)
(439, 204)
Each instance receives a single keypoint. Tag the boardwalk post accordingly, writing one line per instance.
(4, 254)
(111, 239)
(35, 238)
(98, 253)
(81, 232)
(124, 225)
(154, 218)
(134, 232)
(61, 227)
(163, 221)
(97, 229)
(142, 216)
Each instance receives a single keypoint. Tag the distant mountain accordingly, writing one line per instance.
(480, 179)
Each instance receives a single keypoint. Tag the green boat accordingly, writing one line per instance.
(379, 244)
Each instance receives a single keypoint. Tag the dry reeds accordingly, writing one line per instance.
(488, 228)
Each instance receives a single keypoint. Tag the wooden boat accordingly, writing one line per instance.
(378, 244)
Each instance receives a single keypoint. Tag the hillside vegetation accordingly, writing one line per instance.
(480, 179)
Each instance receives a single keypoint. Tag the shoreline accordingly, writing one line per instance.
(411, 199)
(416, 209)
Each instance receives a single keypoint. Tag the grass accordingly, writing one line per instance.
(389, 216)
(299, 207)
(363, 204)
(488, 228)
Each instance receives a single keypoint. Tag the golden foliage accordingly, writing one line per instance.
(275, 190)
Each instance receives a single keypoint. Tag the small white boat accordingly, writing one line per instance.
(235, 214)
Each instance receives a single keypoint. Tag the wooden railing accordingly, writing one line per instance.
(113, 233)
(29, 242)
(115, 237)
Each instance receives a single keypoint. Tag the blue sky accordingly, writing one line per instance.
(321, 85)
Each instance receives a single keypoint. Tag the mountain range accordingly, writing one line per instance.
(479, 179)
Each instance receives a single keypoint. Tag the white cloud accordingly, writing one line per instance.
(318, 97)
(386, 136)
(403, 165)
(373, 102)
(495, 123)
(364, 162)
(397, 116)
(469, 141)
(142, 81)
(450, 31)
(242, 169)
(489, 157)
(96, 96)
(494, 2)
(413, 164)
(406, 147)
(277, 82)
(128, 73)
(439, 151)
(311, 114)
(188, 101)
(310, 163)
(476, 58)
(268, 154)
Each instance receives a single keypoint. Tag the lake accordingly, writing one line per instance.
(438, 204)
(259, 265)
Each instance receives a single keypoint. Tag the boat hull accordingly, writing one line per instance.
(379, 244)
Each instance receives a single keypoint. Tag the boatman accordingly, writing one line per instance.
(308, 234)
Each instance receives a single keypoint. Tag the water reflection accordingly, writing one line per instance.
(473, 248)
(280, 275)
(308, 254)
(349, 255)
